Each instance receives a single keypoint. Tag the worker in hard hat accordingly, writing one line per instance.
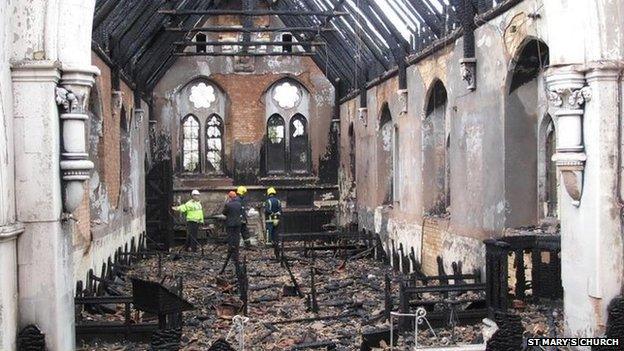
(233, 215)
(272, 213)
(241, 191)
(194, 213)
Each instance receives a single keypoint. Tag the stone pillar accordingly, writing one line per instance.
(9, 228)
(49, 175)
(586, 112)
(8, 284)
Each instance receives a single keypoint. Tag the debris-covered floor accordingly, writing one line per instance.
(350, 296)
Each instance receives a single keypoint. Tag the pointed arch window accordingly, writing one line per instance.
(276, 145)
(190, 144)
(214, 145)
(436, 152)
(551, 203)
(352, 153)
(385, 155)
(299, 148)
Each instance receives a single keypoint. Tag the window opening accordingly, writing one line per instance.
(190, 144)
(214, 145)
(287, 95)
(275, 149)
(299, 155)
(288, 38)
(200, 38)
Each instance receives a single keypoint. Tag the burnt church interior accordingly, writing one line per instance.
(423, 152)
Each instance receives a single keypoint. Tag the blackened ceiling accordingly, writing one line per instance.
(364, 39)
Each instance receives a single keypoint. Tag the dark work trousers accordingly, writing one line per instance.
(191, 235)
(272, 230)
(245, 233)
(233, 237)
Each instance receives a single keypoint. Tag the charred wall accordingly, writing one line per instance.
(113, 210)
(475, 121)
(246, 88)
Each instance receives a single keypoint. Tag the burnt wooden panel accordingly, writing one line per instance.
(158, 198)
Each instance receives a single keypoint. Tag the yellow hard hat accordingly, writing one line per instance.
(241, 190)
(271, 191)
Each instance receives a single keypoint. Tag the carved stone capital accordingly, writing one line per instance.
(569, 98)
(75, 164)
(363, 115)
(68, 101)
(139, 114)
(402, 101)
(568, 93)
(468, 70)
(117, 101)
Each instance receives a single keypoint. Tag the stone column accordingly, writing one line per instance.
(586, 111)
(8, 284)
(49, 174)
(9, 228)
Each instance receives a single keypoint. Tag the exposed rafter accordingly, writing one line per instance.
(350, 40)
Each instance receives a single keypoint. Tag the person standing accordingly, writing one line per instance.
(194, 213)
(233, 212)
(272, 212)
(241, 192)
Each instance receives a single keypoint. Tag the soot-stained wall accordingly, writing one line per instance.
(245, 108)
(246, 101)
(478, 159)
(113, 209)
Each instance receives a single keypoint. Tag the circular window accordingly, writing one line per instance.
(202, 95)
(287, 95)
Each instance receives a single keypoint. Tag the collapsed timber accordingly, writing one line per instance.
(307, 292)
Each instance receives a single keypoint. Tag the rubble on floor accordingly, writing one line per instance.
(350, 299)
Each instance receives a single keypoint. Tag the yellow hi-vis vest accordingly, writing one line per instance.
(193, 211)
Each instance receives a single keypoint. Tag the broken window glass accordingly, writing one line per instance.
(214, 144)
(299, 159)
(287, 95)
(276, 130)
(190, 144)
(275, 149)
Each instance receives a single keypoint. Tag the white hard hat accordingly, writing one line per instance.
(195, 192)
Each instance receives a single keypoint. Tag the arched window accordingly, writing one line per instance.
(436, 147)
(385, 155)
(551, 200)
(276, 145)
(521, 138)
(299, 148)
(190, 144)
(214, 145)
(352, 153)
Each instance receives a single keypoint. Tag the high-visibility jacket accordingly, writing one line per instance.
(193, 211)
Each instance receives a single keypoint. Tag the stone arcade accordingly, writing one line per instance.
(432, 124)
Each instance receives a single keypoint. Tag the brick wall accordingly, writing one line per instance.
(433, 234)
(109, 164)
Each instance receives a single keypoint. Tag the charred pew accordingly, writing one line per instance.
(462, 299)
(333, 240)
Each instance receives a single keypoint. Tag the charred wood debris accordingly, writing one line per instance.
(310, 291)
